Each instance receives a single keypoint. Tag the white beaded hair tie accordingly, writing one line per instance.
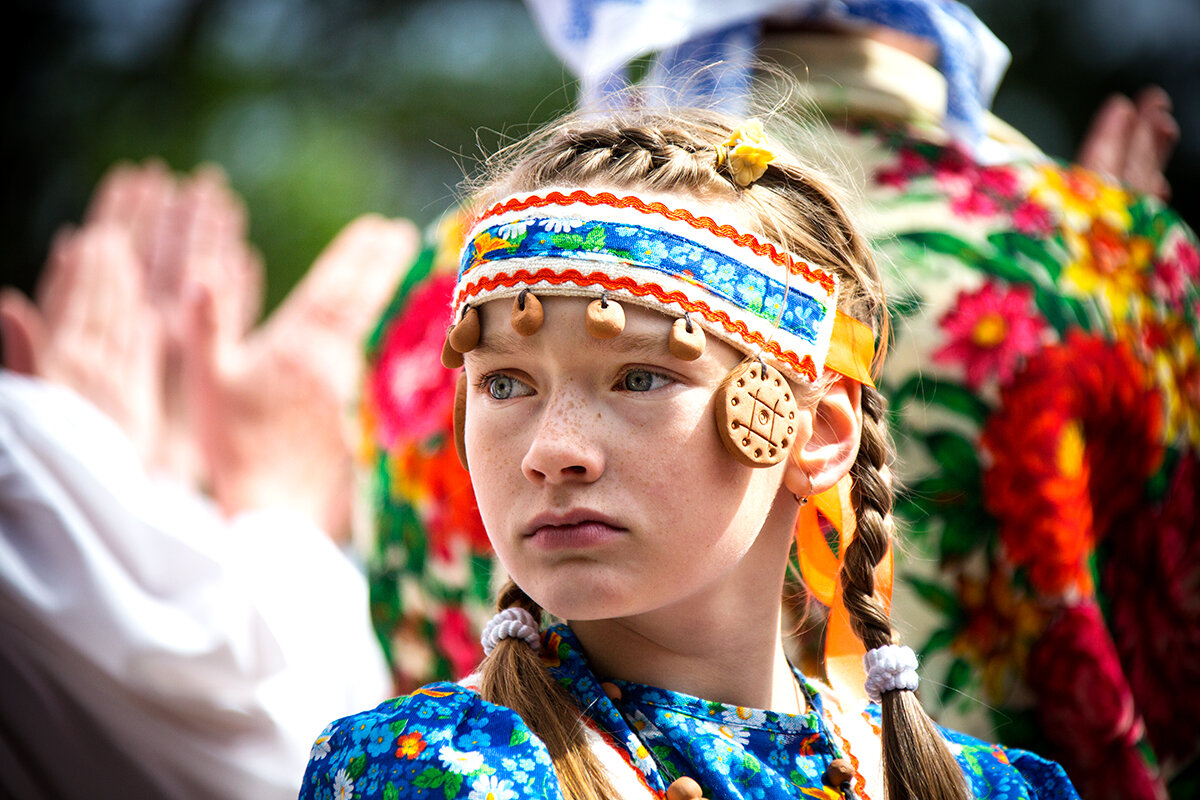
(511, 623)
(889, 668)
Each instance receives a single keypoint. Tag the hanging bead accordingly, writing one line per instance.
(605, 318)
(612, 690)
(684, 789)
(460, 419)
(527, 313)
(451, 358)
(687, 339)
(838, 775)
(464, 337)
(756, 414)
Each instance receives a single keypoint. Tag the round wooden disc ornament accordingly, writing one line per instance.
(756, 414)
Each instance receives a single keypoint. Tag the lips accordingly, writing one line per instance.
(574, 529)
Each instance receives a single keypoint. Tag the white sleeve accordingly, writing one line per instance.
(212, 653)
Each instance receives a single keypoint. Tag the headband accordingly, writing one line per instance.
(748, 292)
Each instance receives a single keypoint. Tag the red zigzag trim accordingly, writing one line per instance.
(784, 260)
(804, 366)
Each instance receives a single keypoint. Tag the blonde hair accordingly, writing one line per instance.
(791, 205)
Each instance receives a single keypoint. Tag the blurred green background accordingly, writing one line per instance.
(320, 111)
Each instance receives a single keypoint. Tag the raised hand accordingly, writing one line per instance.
(269, 408)
(1131, 141)
(94, 330)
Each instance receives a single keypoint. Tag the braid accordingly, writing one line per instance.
(514, 676)
(916, 762)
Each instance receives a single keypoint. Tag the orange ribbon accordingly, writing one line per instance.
(819, 566)
(851, 349)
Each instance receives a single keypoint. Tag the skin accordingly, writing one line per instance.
(621, 511)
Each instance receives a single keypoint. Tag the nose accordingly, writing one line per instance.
(566, 446)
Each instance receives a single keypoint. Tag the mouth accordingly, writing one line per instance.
(574, 529)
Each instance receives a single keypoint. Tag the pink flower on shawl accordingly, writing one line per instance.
(999, 181)
(1032, 219)
(989, 331)
(973, 203)
(1176, 273)
(408, 389)
(1086, 708)
(909, 164)
(457, 642)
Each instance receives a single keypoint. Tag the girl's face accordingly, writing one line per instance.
(598, 470)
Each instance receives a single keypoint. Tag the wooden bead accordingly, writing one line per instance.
(605, 318)
(838, 772)
(684, 789)
(756, 414)
(460, 419)
(464, 337)
(451, 358)
(687, 340)
(612, 690)
(527, 313)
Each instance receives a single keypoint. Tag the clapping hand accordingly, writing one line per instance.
(269, 407)
(1131, 141)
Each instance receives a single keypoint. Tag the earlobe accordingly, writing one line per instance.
(817, 462)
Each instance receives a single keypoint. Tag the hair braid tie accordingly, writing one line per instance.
(890, 668)
(511, 623)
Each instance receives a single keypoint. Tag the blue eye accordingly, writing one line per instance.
(643, 380)
(505, 387)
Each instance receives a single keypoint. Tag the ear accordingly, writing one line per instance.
(820, 461)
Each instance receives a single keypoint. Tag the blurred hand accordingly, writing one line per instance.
(93, 330)
(269, 407)
(1131, 141)
(190, 229)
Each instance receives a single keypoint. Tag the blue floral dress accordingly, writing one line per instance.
(445, 741)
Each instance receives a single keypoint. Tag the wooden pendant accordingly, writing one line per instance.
(460, 420)
(684, 789)
(756, 414)
(605, 318)
(527, 313)
(451, 358)
(464, 337)
(687, 340)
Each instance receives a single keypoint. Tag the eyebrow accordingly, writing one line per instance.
(506, 344)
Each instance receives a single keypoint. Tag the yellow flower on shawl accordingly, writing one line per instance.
(1108, 261)
(746, 152)
(1082, 197)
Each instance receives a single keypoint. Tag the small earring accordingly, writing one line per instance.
(687, 339)
(527, 313)
(756, 413)
(605, 319)
(460, 420)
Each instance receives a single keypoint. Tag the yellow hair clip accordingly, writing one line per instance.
(747, 153)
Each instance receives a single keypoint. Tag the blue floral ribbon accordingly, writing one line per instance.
(635, 246)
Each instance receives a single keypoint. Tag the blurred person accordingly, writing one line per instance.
(169, 643)
(1046, 312)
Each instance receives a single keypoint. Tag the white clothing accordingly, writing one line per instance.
(148, 647)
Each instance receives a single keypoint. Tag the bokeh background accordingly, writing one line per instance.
(322, 110)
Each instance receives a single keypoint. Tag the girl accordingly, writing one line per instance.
(667, 326)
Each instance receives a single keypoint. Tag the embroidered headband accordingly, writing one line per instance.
(597, 244)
